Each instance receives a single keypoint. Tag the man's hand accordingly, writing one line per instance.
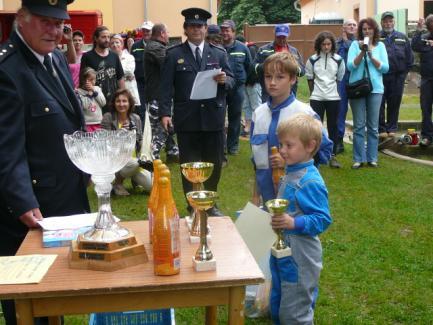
(31, 217)
(344, 35)
(166, 122)
(68, 35)
(220, 78)
(283, 221)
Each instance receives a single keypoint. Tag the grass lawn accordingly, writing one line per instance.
(378, 253)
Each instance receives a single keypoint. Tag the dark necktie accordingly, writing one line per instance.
(198, 56)
(49, 65)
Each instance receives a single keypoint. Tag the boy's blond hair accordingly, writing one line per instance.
(282, 62)
(304, 126)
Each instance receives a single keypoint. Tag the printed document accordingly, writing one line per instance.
(205, 87)
(24, 269)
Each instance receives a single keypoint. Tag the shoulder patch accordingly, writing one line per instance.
(6, 49)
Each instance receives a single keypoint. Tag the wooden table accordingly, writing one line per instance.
(66, 291)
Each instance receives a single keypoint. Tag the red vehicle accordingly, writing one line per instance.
(84, 20)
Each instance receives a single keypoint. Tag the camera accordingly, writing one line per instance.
(365, 45)
(66, 29)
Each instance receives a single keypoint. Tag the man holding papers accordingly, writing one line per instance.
(199, 123)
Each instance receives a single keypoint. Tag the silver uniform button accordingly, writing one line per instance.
(46, 109)
(11, 45)
(34, 181)
(202, 105)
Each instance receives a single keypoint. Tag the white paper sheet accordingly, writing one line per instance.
(205, 86)
(254, 226)
(69, 222)
(24, 269)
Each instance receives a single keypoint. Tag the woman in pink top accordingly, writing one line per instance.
(74, 68)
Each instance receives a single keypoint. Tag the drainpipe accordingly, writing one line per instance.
(210, 9)
(145, 11)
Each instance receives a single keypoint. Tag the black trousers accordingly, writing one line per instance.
(202, 146)
(331, 107)
(426, 99)
(393, 92)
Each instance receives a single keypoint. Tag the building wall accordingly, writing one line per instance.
(366, 8)
(119, 15)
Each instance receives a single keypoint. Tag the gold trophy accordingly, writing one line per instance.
(197, 173)
(202, 201)
(279, 248)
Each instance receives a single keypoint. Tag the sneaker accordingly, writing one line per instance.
(373, 164)
(120, 190)
(425, 142)
(383, 135)
(356, 165)
(333, 163)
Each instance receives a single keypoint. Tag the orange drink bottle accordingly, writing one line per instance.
(153, 193)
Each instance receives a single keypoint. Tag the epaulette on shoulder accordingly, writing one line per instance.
(219, 47)
(6, 49)
(174, 46)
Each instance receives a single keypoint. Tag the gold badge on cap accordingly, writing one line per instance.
(196, 16)
(180, 61)
(53, 2)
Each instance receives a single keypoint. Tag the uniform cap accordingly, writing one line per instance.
(282, 30)
(48, 8)
(213, 29)
(387, 14)
(196, 16)
(228, 24)
(147, 25)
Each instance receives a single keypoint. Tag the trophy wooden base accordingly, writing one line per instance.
(196, 239)
(106, 256)
(204, 266)
(280, 253)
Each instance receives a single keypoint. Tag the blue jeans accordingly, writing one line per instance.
(252, 100)
(344, 103)
(366, 114)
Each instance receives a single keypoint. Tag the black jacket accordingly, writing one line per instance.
(426, 53)
(154, 56)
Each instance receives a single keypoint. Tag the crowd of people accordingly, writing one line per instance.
(124, 84)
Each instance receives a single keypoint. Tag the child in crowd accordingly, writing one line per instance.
(323, 70)
(280, 71)
(92, 99)
(295, 278)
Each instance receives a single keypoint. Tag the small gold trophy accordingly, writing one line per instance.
(202, 201)
(279, 248)
(197, 173)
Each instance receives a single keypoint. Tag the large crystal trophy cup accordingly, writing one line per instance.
(196, 173)
(202, 201)
(105, 246)
(279, 248)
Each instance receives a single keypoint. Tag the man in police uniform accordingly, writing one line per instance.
(240, 63)
(37, 107)
(198, 123)
(400, 59)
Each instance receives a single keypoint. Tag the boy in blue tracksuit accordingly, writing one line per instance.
(295, 278)
(280, 71)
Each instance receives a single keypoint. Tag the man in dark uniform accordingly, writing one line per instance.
(400, 59)
(37, 107)
(199, 123)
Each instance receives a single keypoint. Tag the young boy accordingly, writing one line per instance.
(295, 278)
(280, 71)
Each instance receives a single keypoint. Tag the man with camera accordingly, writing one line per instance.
(423, 44)
(37, 107)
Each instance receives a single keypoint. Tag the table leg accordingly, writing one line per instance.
(54, 320)
(236, 305)
(24, 311)
(211, 315)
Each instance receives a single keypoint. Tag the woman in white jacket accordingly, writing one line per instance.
(323, 70)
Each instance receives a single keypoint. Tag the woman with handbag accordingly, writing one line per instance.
(367, 61)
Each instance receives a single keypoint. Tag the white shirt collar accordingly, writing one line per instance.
(193, 46)
(38, 56)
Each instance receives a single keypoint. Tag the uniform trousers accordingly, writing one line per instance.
(206, 146)
(393, 92)
(426, 99)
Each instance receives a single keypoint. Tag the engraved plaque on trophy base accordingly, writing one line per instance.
(107, 256)
(279, 253)
(203, 266)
